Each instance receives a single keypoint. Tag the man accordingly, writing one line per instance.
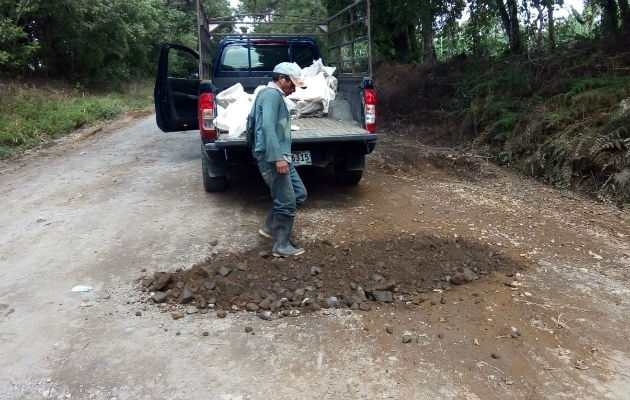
(272, 149)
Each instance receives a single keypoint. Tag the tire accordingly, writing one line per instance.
(349, 178)
(211, 184)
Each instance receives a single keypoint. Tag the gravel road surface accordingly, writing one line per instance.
(111, 206)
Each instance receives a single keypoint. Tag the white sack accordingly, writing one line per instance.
(237, 115)
(231, 95)
(321, 87)
(290, 104)
(220, 121)
(317, 91)
(233, 106)
(309, 108)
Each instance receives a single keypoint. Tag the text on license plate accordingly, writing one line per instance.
(301, 157)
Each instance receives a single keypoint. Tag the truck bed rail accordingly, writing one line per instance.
(347, 33)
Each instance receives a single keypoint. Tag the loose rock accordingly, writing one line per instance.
(209, 285)
(252, 307)
(159, 297)
(385, 286)
(462, 276)
(406, 337)
(191, 310)
(384, 296)
(330, 302)
(221, 314)
(161, 279)
(185, 296)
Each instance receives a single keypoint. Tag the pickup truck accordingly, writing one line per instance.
(188, 82)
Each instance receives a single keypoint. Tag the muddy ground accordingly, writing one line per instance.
(544, 314)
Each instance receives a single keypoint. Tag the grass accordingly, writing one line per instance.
(32, 113)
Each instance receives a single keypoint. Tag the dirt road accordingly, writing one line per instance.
(546, 315)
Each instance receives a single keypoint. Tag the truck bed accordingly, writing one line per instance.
(311, 130)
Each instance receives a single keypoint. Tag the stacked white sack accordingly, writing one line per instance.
(234, 104)
(321, 88)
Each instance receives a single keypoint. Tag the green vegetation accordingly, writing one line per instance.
(95, 42)
(30, 116)
(564, 118)
(542, 93)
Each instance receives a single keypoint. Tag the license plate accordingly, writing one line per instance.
(301, 157)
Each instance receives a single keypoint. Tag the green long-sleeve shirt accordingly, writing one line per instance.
(273, 127)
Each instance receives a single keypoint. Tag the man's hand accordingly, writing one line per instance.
(282, 167)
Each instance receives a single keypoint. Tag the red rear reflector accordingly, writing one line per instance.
(369, 108)
(206, 116)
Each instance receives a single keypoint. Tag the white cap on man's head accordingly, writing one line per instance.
(292, 70)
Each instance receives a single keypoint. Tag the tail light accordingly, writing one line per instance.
(369, 108)
(206, 116)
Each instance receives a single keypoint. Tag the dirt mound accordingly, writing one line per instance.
(417, 100)
(355, 275)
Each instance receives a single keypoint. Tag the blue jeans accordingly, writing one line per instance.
(287, 191)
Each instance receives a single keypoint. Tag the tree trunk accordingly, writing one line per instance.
(625, 16)
(402, 46)
(552, 26)
(428, 49)
(609, 17)
(515, 29)
(509, 18)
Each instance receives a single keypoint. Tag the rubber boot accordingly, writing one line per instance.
(282, 227)
(265, 230)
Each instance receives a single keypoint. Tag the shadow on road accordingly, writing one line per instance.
(246, 184)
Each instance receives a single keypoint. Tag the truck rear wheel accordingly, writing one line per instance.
(348, 177)
(348, 171)
(211, 184)
(351, 177)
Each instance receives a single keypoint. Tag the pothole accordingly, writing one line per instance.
(398, 272)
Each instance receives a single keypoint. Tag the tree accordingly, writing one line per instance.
(16, 47)
(508, 12)
(94, 41)
(283, 11)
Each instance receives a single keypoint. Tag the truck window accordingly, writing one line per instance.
(234, 58)
(303, 54)
(182, 64)
(267, 56)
